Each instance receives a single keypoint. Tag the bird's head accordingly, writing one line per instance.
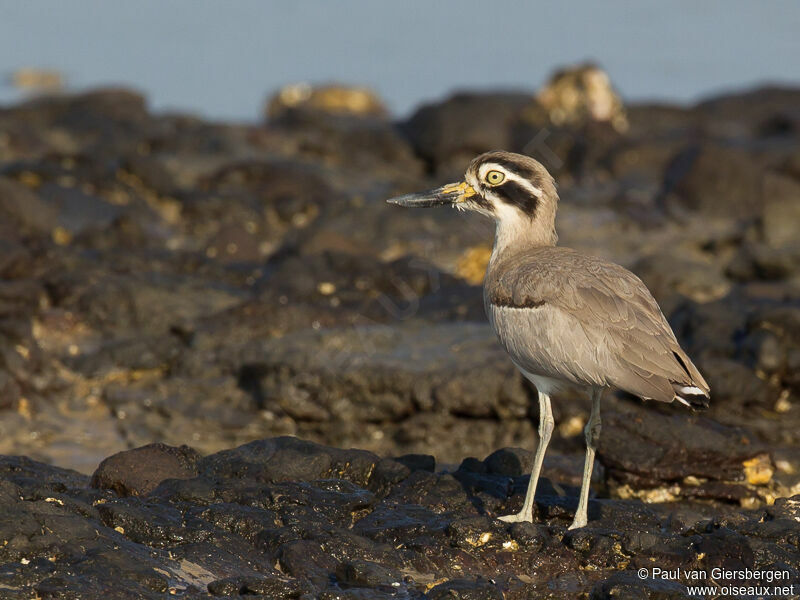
(513, 189)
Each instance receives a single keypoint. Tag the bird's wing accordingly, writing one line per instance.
(619, 333)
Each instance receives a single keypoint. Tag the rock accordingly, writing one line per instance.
(775, 332)
(760, 112)
(646, 450)
(167, 279)
(289, 459)
(353, 142)
(714, 180)
(138, 472)
(512, 462)
(22, 209)
(367, 375)
(574, 95)
(667, 273)
(333, 99)
(628, 585)
(756, 261)
(467, 589)
(285, 518)
(781, 218)
(449, 134)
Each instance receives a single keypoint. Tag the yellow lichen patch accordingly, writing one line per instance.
(471, 266)
(24, 408)
(29, 179)
(478, 540)
(749, 503)
(758, 470)
(326, 288)
(35, 79)
(334, 99)
(61, 236)
(783, 405)
(650, 496)
(432, 584)
(572, 426)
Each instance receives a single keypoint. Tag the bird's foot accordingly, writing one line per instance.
(578, 523)
(520, 517)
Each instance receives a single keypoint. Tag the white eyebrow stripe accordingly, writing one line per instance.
(486, 167)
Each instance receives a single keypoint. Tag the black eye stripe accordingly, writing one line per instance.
(517, 195)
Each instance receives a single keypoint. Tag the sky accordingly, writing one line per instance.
(221, 59)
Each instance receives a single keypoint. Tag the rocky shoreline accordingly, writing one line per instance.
(204, 285)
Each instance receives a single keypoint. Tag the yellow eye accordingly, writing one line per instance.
(494, 178)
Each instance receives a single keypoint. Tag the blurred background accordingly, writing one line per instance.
(219, 59)
(195, 247)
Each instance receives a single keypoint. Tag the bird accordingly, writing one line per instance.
(564, 317)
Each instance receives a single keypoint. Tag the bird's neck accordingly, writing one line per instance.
(513, 236)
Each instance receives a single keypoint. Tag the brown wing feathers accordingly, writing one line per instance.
(614, 308)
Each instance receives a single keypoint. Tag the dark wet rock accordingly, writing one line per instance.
(512, 462)
(449, 134)
(644, 449)
(106, 118)
(270, 587)
(566, 152)
(22, 210)
(354, 142)
(286, 518)
(668, 274)
(330, 378)
(468, 589)
(775, 339)
(376, 365)
(762, 112)
(630, 585)
(138, 472)
(374, 291)
(289, 459)
(249, 206)
(756, 261)
(166, 279)
(716, 180)
(781, 218)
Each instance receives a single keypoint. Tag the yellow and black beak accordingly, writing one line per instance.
(452, 193)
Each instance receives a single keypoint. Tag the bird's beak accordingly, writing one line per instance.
(452, 193)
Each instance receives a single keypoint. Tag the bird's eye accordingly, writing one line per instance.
(494, 177)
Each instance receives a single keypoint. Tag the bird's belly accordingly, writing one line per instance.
(547, 345)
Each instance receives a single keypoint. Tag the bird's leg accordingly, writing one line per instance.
(592, 433)
(546, 424)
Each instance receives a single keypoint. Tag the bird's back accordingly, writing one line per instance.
(584, 320)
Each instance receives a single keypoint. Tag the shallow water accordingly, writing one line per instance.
(221, 59)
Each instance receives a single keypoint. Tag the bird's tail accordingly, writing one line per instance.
(692, 396)
(696, 393)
